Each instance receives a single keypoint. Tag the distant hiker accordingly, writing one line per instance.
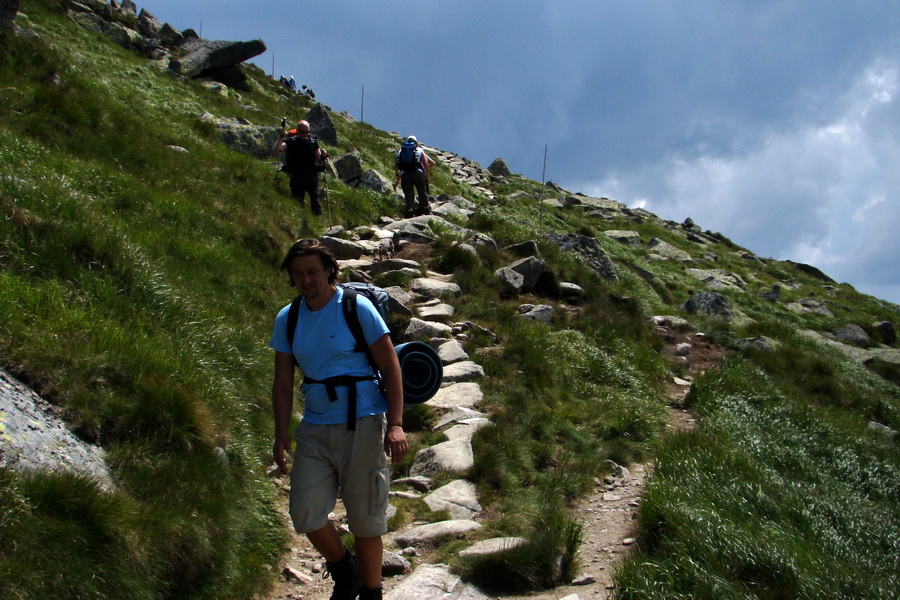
(342, 439)
(292, 84)
(303, 161)
(411, 166)
(310, 93)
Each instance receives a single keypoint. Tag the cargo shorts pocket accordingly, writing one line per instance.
(378, 491)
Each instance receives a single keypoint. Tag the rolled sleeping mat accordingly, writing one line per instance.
(422, 371)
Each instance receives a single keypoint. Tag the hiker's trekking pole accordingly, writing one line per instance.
(327, 195)
(280, 166)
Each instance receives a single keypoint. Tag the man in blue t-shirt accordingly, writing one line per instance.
(337, 450)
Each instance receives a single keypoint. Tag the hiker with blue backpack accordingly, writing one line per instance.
(412, 166)
(352, 417)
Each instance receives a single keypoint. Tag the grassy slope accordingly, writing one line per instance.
(137, 288)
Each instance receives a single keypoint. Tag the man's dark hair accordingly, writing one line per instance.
(311, 247)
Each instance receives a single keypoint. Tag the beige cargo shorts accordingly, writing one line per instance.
(329, 460)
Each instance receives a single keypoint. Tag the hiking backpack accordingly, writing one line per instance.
(408, 157)
(299, 155)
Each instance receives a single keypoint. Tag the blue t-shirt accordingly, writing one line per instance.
(323, 346)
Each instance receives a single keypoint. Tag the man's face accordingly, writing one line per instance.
(303, 129)
(310, 277)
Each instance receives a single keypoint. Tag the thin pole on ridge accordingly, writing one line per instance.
(362, 105)
(273, 65)
(543, 179)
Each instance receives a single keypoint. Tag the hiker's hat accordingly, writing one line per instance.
(422, 370)
(412, 138)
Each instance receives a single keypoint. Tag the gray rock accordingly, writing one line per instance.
(718, 279)
(762, 343)
(391, 264)
(531, 269)
(713, 304)
(439, 312)
(148, 25)
(465, 429)
(453, 456)
(35, 438)
(452, 352)
(435, 582)
(457, 415)
(853, 334)
(886, 332)
(588, 250)
(541, 312)
(342, 249)
(570, 290)
(482, 240)
(419, 329)
(511, 281)
(205, 55)
(672, 321)
(458, 498)
(499, 168)
(242, 136)
(430, 533)
(394, 564)
(321, 125)
(459, 395)
(373, 180)
(349, 169)
(493, 546)
(629, 238)
(466, 370)
(433, 288)
(668, 250)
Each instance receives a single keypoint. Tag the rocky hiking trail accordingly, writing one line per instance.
(608, 514)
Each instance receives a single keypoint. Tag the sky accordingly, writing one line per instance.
(776, 123)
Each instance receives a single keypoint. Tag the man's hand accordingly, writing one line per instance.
(282, 447)
(395, 443)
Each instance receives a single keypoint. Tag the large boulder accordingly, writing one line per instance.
(242, 136)
(530, 269)
(203, 54)
(589, 250)
(713, 304)
(499, 168)
(349, 169)
(321, 125)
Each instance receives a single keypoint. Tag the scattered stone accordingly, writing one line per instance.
(853, 334)
(426, 534)
(466, 370)
(453, 457)
(435, 582)
(452, 352)
(459, 395)
(458, 498)
(493, 546)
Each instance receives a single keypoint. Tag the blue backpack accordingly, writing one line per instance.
(408, 158)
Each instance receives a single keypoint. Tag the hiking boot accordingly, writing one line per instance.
(367, 594)
(316, 210)
(345, 574)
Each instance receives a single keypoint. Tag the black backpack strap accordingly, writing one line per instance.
(351, 314)
(350, 381)
(292, 317)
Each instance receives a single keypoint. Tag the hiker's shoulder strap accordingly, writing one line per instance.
(292, 316)
(351, 315)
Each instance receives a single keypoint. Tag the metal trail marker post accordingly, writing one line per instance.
(543, 179)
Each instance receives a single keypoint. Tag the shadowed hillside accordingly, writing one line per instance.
(143, 226)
